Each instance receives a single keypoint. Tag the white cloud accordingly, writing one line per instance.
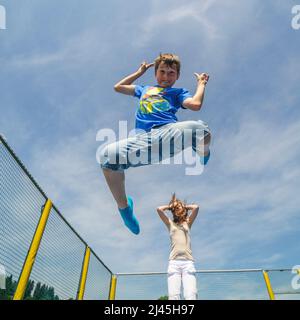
(76, 51)
(259, 145)
(167, 16)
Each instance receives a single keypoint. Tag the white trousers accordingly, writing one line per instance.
(182, 272)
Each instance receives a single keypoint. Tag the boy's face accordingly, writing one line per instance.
(165, 75)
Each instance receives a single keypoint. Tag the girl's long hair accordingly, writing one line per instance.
(183, 214)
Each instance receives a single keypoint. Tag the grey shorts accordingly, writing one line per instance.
(154, 146)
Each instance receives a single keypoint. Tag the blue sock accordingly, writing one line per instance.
(129, 218)
(205, 159)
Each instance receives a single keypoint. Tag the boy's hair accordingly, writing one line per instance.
(169, 59)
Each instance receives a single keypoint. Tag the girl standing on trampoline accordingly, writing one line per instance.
(181, 269)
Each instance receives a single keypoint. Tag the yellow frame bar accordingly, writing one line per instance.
(84, 273)
(113, 287)
(34, 247)
(268, 284)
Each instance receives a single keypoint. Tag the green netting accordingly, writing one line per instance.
(231, 286)
(282, 284)
(20, 209)
(57, 269)
(98, 280)
(214, 285)
(59, 260)
(211, 286)
(141, 287)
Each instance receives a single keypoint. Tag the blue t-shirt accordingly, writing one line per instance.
(158, 105)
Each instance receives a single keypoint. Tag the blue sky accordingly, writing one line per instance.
(59, 62)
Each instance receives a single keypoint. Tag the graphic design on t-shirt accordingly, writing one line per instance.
(152, 101)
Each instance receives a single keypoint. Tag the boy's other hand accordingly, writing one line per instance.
(202, 77)
(144, 67)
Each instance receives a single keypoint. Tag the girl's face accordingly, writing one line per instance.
(178, 209)
(166, 76)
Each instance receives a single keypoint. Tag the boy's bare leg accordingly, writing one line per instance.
(116, 183)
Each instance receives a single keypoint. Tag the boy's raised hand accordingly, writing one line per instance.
(126, 85)
(202, 77)
(144, 67)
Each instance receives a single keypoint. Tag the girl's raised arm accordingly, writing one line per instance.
(161, 212)
(193, 215)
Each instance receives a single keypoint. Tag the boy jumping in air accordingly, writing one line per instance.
(156, 119)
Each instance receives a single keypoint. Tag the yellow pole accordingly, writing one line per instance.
(268, 284)
(84, 273)
(113, 287)
(34, 247)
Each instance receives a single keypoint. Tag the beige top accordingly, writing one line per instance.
(180, 241)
